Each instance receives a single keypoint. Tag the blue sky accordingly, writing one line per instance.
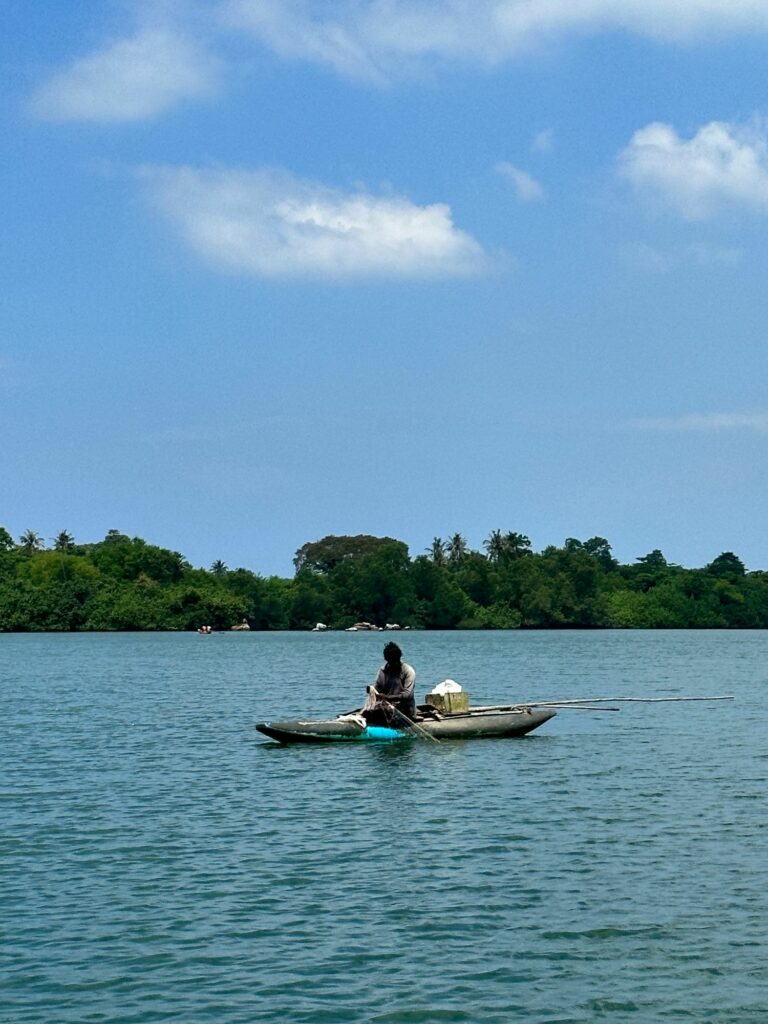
(275, 269)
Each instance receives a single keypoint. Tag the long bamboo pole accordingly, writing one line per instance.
(639, 700)
(580, 703)
(571, 707)
(489, 708)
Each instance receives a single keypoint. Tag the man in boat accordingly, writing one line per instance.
(394, 686)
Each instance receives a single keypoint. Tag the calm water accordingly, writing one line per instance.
(159, 861)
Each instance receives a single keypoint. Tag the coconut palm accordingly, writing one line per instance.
(494, 545)
(437, 551)
(63, 541)
(457, 549)
(502, 547)
(516, 544)
(219, 568)
(31, 541)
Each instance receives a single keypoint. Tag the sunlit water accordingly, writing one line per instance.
(160, 861)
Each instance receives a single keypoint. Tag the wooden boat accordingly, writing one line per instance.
(492, 720)
(472, 724)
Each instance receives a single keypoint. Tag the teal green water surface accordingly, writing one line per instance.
(161, 861)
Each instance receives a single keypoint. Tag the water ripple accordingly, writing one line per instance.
(158, 862)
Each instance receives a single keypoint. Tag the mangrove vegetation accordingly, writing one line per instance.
(125, 583)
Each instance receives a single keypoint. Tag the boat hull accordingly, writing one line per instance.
(488, 724)
(470, 725)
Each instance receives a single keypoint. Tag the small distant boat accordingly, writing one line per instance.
(473, 724)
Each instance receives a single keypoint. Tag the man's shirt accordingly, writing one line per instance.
(396, 684)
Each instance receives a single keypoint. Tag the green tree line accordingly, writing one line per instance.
(125, 583)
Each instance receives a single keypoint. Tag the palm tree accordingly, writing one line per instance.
(63, 541)
(31, 541)
(494, 545)
(437, 551)
(516, 544)
(219, 568)
(502, 547)
(457, 549)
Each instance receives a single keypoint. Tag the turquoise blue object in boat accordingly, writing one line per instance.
(382, 732)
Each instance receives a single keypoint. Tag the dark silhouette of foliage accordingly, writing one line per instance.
(125, 583)
(64, 541)
(324, 555)
(31, 542)
(727, 565)
(437, 550)
(457, 549)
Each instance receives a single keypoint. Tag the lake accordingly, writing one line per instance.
(161, 861)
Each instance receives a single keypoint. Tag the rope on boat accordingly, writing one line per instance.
(371, 699)
(375, 699)
(410, 725)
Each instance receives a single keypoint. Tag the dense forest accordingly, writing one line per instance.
(124, 583)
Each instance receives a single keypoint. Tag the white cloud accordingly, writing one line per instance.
(376, 39)
(709, 422)
(131, 80)
(699, 254)
(543, 141)
(270, 224)
(527, 189)
(722, 165)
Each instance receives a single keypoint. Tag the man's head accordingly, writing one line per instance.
(392, 654)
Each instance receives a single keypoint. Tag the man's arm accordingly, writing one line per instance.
(407, 683)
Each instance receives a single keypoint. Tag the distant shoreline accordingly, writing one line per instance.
(123, 584)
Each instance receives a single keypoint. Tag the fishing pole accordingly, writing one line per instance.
(612, 700)
(581, 704)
